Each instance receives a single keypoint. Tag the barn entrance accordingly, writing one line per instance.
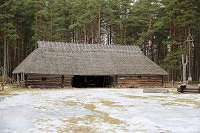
(92, 81)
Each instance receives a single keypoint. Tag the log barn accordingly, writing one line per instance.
(58, 65)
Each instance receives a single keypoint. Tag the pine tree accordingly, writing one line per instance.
(8, 30)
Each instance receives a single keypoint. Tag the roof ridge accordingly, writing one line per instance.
(90, 47)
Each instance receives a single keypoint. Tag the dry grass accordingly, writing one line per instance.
(173, 104)
(42, 108)
(71, 103)
(8, 91)
(43, 120)
(89, 119)
(137, 97)
(90, 107)
(189, 101)
(77, 129)
(158, 96)
(169, 85)
(103, 115)
(110, 120)
(71, 127)
(111, 104)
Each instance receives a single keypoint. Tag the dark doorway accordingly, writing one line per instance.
(92, 81)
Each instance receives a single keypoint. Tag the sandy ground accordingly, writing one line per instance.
(99, 110)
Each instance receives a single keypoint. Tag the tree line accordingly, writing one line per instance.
(164, 29)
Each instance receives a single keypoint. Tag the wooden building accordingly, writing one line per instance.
(57, 64)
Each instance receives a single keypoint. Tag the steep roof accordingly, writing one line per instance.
(87, 59)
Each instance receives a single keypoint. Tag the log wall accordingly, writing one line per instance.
(60, 81)
(47, 81)
(135, 81)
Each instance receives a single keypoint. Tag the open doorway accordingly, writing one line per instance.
(92, 81)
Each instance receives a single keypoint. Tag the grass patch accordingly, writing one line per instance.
(78, 129)
(88, 119)
(64, 103)
(8, 92)
(90, 107)
(43, 120)
(71, 103)
(68, 128)
(159, 96)
(111, 104)
(42, 108)
(110, 120)
(136, 97)
(189, 101)
(175, 92)
(173, 104)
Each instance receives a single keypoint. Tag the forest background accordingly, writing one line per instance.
(164, 29)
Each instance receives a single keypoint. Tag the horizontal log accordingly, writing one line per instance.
(60, 81)
(39, 86)
(44, 84)
(136, 78)
(139, 75)
(141, 84)
(38, 80)
(67, 84)
(44, 77)
(142, 81)
(67, 80)
(51, 75)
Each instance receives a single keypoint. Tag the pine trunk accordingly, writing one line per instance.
(107, 34)
(85, 37)
(158, 54)
(51, 26)
(110, 34)
(152, 50)
(99, 26)
(115, 37)
(145, 47)
(5, 57)
(124, 33)
(94, 33)
(5, 50)
(150, 38)
(198, 53)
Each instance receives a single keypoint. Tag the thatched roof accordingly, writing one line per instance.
(87, 59)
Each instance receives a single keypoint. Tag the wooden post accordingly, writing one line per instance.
(184, 68)
(3, 82)
(116, 81)
(21, 77)
(21, 80)
(162, 80)
(17, 78)
(62, 83)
